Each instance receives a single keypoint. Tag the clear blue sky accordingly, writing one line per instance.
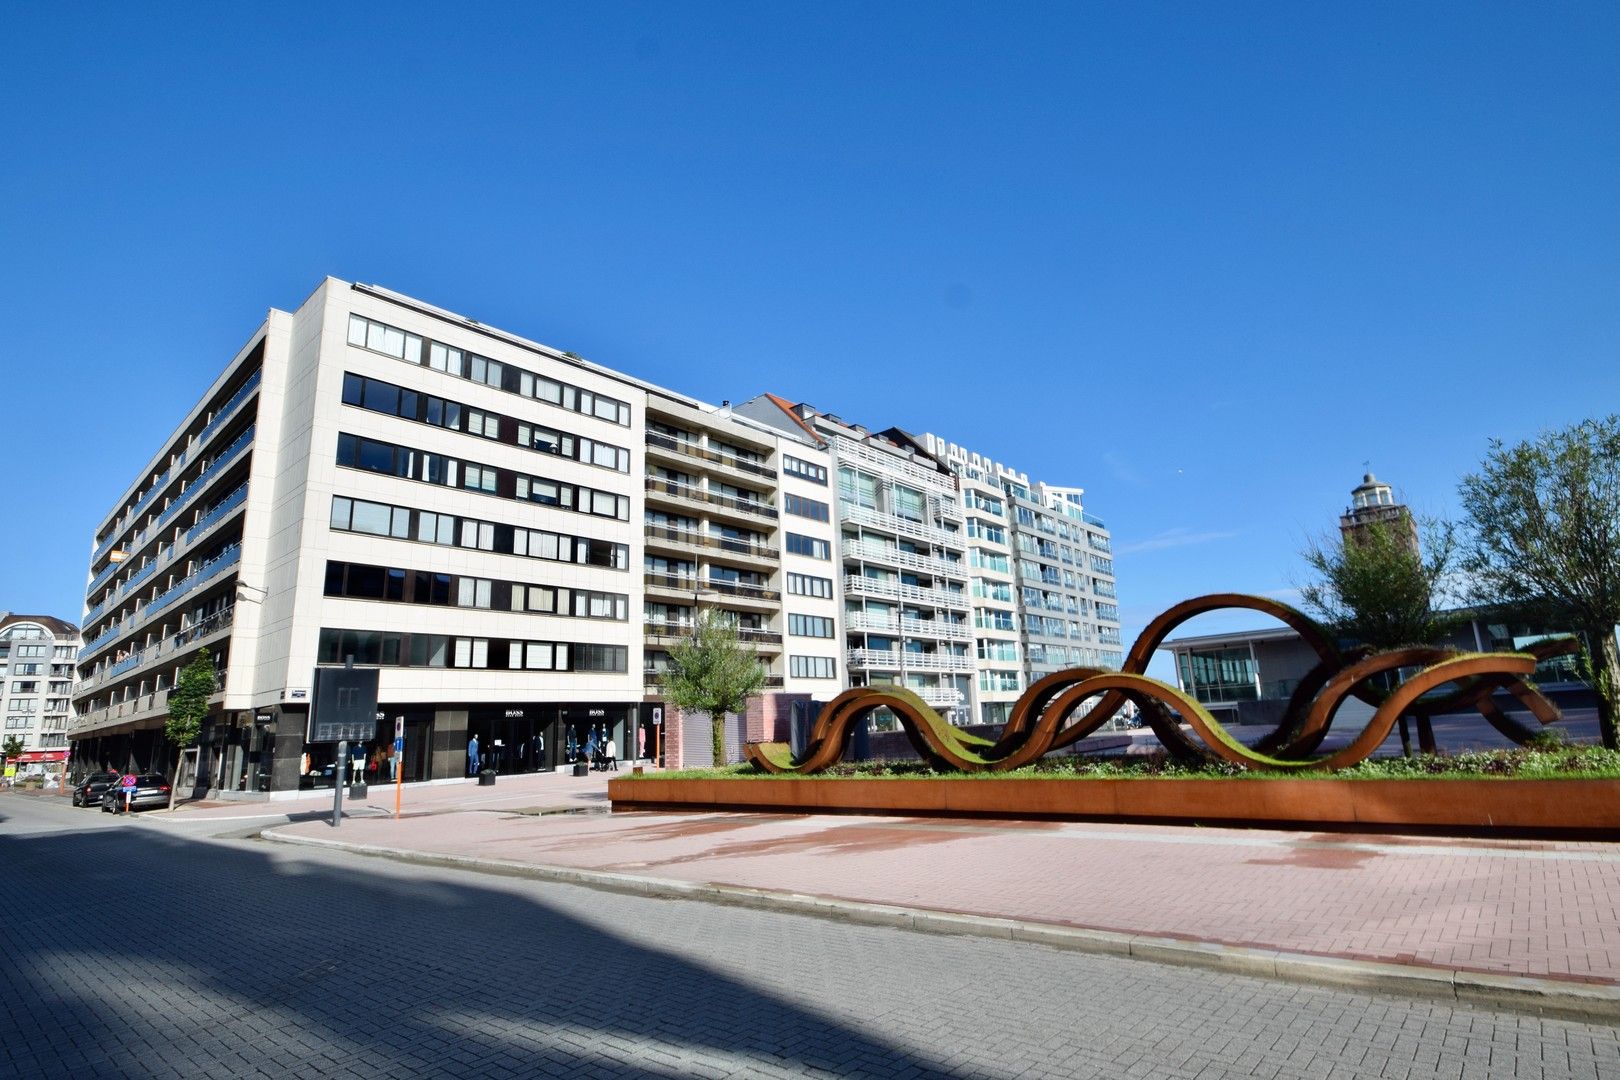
(1201, 259)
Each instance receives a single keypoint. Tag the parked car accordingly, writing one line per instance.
(88, 792)
(151, 789)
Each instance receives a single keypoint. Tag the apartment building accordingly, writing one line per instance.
(738, 519)
(37, 654)
(902, 558)
(1062, 571)
(478, 516)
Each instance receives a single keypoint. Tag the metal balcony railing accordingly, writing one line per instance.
(710, 498)
(694, 538)
(874, 519)
(865, 586)
(703, 453)
(895, 557)
(905, 660)
(227, 410)
(924, 628)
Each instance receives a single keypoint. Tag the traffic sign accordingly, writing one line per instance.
(129, 781)
(399, 745)
(399, 729)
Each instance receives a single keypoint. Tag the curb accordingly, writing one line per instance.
(1514, 993)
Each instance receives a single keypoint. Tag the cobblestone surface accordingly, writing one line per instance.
(133, 951)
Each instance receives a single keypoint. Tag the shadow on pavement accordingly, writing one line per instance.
(145, 953)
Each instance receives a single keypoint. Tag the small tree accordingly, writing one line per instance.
(188, 706)
(1376, 588)
(10, 749)
(1544, 532)
(713, 673)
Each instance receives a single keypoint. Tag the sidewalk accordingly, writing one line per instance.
(1532, 922)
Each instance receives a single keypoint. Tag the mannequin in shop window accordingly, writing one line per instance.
(472, 756)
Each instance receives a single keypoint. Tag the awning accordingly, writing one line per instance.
(39, 755)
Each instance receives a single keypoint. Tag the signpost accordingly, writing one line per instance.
(128, 785)
(399, 761)
(658, 735)
(344, 709)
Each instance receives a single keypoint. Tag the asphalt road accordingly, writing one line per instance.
(134, 950)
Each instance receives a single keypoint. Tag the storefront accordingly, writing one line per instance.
(45, 766)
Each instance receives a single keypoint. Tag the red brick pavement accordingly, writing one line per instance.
(1549, 909)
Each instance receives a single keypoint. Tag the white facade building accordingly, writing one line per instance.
(466, 510)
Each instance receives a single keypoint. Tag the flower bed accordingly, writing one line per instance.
(1566, 792)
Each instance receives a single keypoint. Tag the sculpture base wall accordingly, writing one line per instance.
(1582, 808)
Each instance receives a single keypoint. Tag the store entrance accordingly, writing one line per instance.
(512, 744)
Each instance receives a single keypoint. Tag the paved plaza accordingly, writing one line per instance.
(150, 947)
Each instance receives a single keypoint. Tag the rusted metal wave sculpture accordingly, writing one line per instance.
(1054, 713)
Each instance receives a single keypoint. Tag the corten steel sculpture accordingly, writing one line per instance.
(1044, 718)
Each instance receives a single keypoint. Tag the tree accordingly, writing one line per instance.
(188, 707)
(12, 747)
(1543, 522)
(713, 673)
(1376, 587)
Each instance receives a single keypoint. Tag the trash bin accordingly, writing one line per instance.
(486, 778)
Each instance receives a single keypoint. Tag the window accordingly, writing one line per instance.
(806, 508)
(807, 585)
(812, 667)
(808, 546)
(479, 478)
(810, 626)
(804, 470)
(358, 515)
(378, 337)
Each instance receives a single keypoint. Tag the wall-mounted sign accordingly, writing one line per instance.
(514, 714)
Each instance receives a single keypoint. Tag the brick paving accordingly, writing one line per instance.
(1536, 908)
(133, 950)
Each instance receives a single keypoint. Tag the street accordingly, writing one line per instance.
(135, 948)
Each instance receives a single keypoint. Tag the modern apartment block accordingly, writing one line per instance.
(1067, 611)
(478, 516)
(738, 519)
(37, 654)
(902, 553)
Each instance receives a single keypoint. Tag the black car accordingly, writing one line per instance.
(151, 789)
(88, 791)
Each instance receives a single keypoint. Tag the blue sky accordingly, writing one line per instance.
(1203, 260)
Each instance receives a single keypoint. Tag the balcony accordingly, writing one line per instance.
(855, 585)
(905, 660)
(227, 410)
(217, 514)
(657, 440)
(895, 557)
(214, 624)
(691, 494)
(742, 591)
(691, 538)
(208, 570)
(215, 467)
(939, 629)
(893, 523)
(937, 695)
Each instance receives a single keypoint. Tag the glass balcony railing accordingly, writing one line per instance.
(210, 569)
(219, 464)
(208, 520)
(229, 408)
(100, 639)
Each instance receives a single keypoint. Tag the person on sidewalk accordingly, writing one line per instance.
(610, 755)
